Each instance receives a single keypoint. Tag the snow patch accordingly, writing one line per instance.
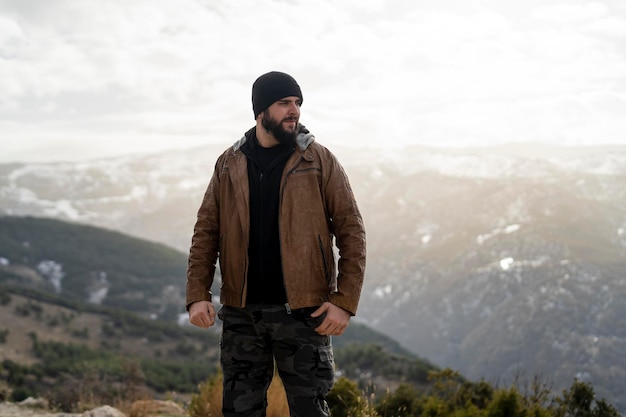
(506, 263)
(183, 319)
(404, 298)
(382, 292)
(63, 208)
(99, 289)
(480, 239)
(53, 272)
(511, 228)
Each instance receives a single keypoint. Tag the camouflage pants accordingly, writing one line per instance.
(255, 337)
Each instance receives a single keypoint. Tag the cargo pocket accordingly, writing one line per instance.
(325, 369)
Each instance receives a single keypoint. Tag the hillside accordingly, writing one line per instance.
(52, 326)
(521, 246)
(82, 349)
(47, 335)
(92, 264)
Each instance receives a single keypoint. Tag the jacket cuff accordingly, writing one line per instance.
(344, 302)
(192, 298)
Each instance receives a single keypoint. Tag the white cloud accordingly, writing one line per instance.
(608, 26)
(571, 13)
(154, 72)
(10, 32)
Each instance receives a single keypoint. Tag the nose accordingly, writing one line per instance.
(294, 109)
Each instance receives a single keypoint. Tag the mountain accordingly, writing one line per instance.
(78, 301)
(494, 261)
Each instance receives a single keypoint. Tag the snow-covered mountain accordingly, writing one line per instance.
(493, 261)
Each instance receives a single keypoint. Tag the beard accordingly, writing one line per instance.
(275, 127)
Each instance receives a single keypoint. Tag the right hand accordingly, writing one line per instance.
(202, 314)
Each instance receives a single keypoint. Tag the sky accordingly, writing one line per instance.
(87, 79)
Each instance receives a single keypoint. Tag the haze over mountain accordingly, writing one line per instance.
(492, 261)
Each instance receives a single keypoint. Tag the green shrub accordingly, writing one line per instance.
(578, 401)
(5, 297)
(403, 402)
(506, 403)
(346, 400)
(207, 402)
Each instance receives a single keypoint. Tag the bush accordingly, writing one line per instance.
(404, 402)
(21, 393)
(5, 297)
(579, 401)
(345, 400)
(208, 401)
(506, 403)
(5, 391)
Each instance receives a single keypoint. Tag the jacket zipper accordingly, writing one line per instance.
(243, 287)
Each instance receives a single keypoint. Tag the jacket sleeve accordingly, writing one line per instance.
(347, 226)
(204, 250)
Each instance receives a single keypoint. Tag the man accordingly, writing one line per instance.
(274, 203)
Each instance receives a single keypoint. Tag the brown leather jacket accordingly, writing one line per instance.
(316, 204)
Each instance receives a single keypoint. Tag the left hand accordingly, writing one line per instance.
(335, 322)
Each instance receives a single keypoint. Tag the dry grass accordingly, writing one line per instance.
(276, 399)
(208, 403)
(60, 324)
(18, 346)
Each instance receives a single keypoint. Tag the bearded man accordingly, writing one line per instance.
(276, 205)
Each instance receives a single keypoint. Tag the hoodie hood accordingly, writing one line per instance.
(303, 139)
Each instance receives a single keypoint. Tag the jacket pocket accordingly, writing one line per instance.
(324, 261)
(221, 257)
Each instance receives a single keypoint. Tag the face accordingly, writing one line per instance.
(281, 119)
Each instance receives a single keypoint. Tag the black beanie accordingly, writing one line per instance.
(271, 87)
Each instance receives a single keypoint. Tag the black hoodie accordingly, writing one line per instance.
(265, 168)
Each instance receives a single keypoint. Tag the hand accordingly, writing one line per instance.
(335, 322)
(202, 314)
